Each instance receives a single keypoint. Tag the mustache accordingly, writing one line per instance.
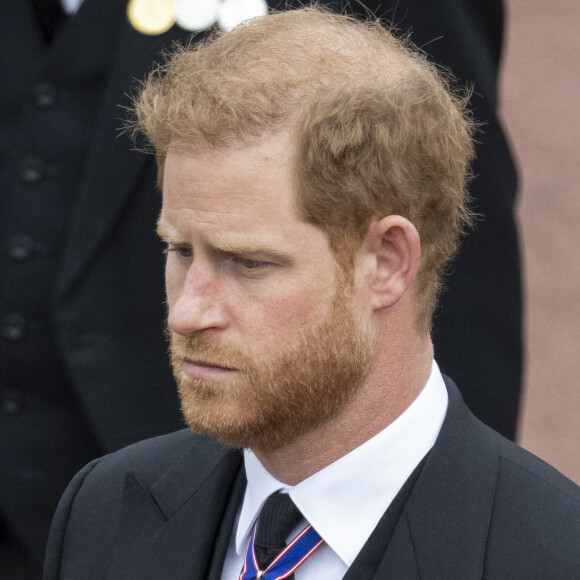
(204, 349)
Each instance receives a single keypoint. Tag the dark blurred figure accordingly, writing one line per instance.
(83, 368)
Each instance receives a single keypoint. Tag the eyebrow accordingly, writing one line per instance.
(242, 247)
(247, 248)
(165, 231)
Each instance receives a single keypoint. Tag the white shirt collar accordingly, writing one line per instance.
(345, 500)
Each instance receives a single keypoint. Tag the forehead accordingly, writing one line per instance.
(237, 178)
(235, 192)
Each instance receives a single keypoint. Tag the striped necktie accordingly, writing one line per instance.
(267, 555)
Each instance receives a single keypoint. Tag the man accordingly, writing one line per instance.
(313, 172)
(68, 229)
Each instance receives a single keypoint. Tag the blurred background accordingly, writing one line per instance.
(540, 90)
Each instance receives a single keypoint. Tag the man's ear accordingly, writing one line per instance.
(395, 247)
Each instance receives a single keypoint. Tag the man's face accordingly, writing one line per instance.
(268, 339)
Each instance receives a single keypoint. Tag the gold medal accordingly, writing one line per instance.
(151, 16)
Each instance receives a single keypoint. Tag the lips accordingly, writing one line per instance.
(205, 370)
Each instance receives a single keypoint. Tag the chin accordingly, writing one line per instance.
(240, 422)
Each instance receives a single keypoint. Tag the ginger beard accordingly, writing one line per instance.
(298, 386)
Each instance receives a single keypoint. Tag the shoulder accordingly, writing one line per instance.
(150, 458)
(534, 530)
(518, 465)
(84, 528)
(103, 480)
(465, 435)
(527, 513)
(525, 484)
(536, 518)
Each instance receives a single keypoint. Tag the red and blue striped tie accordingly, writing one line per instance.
(267, 556)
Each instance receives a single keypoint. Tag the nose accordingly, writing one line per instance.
(196, 301)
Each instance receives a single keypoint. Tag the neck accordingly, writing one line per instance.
(393, 385)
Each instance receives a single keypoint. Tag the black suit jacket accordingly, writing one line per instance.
(480, 508)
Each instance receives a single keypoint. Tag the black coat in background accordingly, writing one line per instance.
(104, 315)
(107, 300)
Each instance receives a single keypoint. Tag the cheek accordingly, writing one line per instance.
(285, 313)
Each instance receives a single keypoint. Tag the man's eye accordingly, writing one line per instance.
(250, 264)
(181, 251)
(184, 252)
(247, 264)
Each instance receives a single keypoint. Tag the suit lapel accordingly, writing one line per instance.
(400, 560)
(113, 168)
(168, 530)
(443, 530)
(227, 525)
